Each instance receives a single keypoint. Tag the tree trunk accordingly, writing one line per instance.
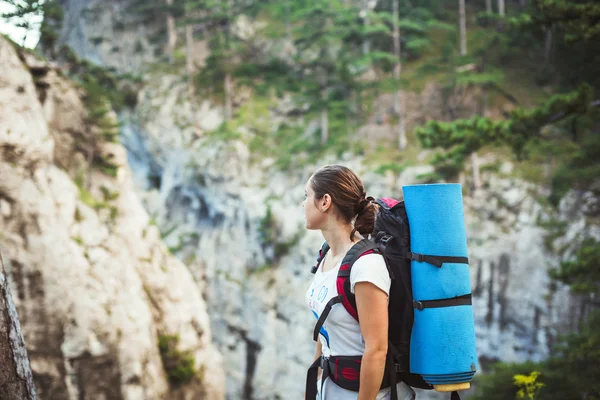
(189, 69)
(288, 24)
(324, 125)
(171, 34)
(366, 42)
(463, 27)
(16, 378)
(228, 96)
(488, 6)
(189, 41)
(501, 11)
(324, 110)
(398, 97)
(475, 164)
(228, 83)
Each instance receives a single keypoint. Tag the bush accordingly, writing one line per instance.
(179, 365)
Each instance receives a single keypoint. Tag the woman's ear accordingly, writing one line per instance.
(325, 203)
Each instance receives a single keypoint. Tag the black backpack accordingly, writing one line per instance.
(390, 238)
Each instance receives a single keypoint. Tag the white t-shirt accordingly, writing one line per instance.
(341, 334)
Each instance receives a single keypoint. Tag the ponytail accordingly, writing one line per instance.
(366, 212)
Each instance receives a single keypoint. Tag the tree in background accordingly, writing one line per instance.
(27, 14)
(171, 33)
(325, 55)
(162, 13)
(462, 18)
(398, 98)
(563, 132)
(216, 20)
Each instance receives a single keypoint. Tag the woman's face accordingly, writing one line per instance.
(313, 216)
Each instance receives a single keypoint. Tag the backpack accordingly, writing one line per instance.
(391, 239)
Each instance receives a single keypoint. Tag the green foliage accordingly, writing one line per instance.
(582, 273)
(270, 237)
(51, 25)
(499, 384)
(572, 373)
(179, 365)
(528, 385)
(23, 13)
(522, 128)
(104, 203)
(580, 19)
(267, 227)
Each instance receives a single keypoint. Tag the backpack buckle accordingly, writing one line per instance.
(415, 256)
(418, 305)
(386, 239)
(398, 368)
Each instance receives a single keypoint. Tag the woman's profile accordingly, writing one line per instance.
(336, 204)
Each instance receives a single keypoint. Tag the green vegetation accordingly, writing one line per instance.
(179, 365)
(270, 238)
(104, 203)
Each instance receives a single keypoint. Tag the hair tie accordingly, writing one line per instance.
(362, 205)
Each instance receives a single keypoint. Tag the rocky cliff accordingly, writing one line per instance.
(237, 224)
(106, 310)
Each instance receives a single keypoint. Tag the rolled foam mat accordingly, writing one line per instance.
(443, 339)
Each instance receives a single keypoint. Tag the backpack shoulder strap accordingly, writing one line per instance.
(344, 296)
(360, 249)
(324, 249)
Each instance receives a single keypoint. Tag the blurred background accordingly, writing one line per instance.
(153, 157)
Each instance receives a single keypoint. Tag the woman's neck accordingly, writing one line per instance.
(338, 238)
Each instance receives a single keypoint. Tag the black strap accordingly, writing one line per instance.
(391, 376)
(323, 317)
(311, 380)
(463, 300)
(436, 260)
(357, 250)
(322, 253)
(326, 374)
(400, 364)
(454, 396)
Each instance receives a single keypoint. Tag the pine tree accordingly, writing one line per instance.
(216, 19)
(24, 14)
(325, 56)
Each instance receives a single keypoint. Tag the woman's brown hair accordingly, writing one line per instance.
(348, 195)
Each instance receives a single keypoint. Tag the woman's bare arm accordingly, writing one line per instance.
(372, 307)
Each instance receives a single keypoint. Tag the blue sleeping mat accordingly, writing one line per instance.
(443, 338)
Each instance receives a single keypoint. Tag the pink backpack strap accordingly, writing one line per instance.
(347, 298)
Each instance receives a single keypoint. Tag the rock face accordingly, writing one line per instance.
(95, 288)
(238, 226)
(212, 204)
(108, 33)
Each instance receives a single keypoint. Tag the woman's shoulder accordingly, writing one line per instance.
(370, 258)
(371, 268)
(372, 261)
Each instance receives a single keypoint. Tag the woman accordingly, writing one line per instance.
(336, 203)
